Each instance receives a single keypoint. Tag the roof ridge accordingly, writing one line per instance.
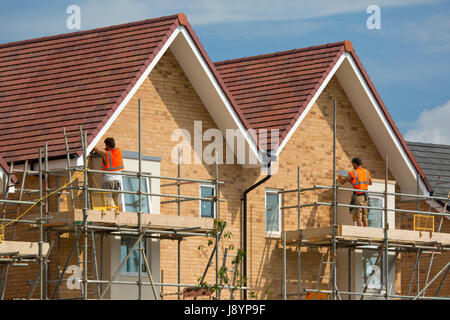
(84, 32)
(345, 43)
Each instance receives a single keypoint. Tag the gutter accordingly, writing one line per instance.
(244, 232)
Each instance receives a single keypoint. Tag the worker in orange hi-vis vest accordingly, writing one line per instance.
(112, 162)
(361, 180)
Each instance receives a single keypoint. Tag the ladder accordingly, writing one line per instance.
(323, 264)
(433, 253)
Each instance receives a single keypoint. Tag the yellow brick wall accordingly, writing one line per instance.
(408, 259)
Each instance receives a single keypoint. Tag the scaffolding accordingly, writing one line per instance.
(84, 222)
(335, 238)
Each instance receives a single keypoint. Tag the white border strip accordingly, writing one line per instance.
(385, 121)
(130, 94)
(222, 95)
(310, 104)
(230, 109)
(374, 102)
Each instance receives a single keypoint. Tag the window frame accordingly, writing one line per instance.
(133, 273)
(373, 252)
(381, 209)
(364, 274)
(206, 185)
(274, 234)
(147, 182)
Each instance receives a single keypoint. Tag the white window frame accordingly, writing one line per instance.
(273, 233)
(376, 274)
(381, 208)
(374, 250)
(134, 274)
(147, 182)
(207, 185)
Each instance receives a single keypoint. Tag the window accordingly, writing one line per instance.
(376, 216)
(131, 266)
(371, 269)
(273, 215)
(207, 208)
(131, 201)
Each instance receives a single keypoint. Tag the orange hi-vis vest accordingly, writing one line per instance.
(360, 179)
(114, 161)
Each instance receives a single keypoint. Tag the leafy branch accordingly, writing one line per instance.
(223, 272)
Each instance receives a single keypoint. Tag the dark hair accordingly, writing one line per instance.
(110, 143)
(358, 161)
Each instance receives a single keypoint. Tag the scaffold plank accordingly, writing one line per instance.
(130, 219)
(347, 232)
(23, 248)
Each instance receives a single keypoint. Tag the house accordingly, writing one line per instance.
(153, 79)
(294, 92)
(433, 159)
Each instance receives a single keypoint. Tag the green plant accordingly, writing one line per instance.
(223, 272)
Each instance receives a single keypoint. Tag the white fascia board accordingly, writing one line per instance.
(181, 30)
(373, 101)
(130, 94)
(384, 120)
(230, 109)
(310, 104)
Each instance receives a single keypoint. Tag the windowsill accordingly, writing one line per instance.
(132, 274)
(127, 212)
(273, 235)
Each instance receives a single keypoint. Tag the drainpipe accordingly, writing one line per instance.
(267, 177)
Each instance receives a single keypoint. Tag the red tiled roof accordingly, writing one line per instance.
(76, 79)
(70, 80)
(80, 79)
(273, 90)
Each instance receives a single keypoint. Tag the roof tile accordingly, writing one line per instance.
(435, 162)
(71, 80)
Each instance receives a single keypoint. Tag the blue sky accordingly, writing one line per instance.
(407, 59)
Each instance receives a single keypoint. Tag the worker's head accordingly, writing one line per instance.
(110, 143)
(356, 162)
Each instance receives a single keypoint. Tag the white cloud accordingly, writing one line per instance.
(432, 33)
(254, 30)
(51, 19)
(432, 126)
(407, 71)
(221, 11)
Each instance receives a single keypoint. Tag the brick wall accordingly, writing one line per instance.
(408, 259)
